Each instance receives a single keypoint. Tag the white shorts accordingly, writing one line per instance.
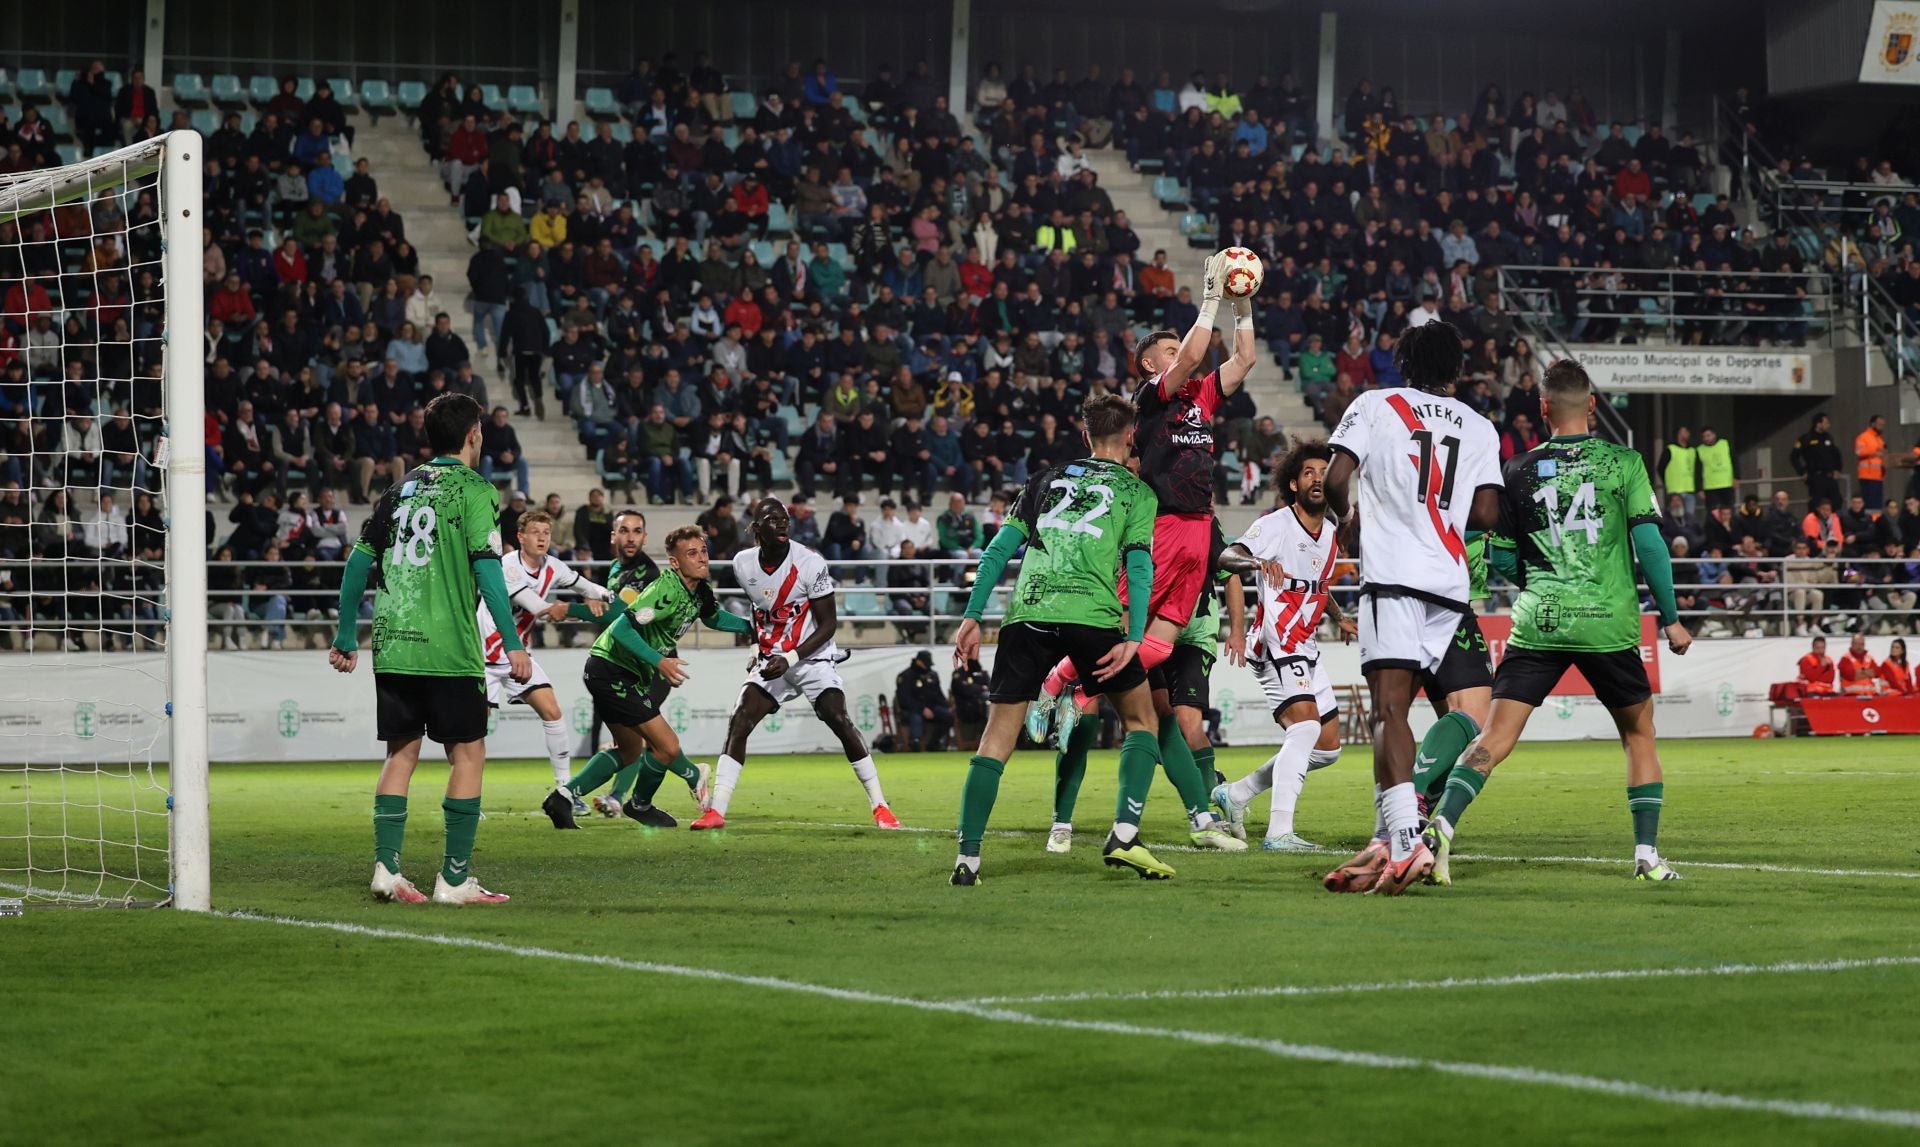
(1294, 679)
(808, 679)
(502, 689)
(1401, 632)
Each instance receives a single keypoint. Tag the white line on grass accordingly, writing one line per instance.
(1618, 1088)
(1683, 972)
(1614, 861)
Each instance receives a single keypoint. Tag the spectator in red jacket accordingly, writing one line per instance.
(467, 148)
(976, 279)
(750, 196)
(232, 304)
(290, 262)
(1356, 362)
(1633, 180)
(1816, 669)
(1894, 670)
(1859, 672)
(745, 313)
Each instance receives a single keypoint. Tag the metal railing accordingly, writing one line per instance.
(1729, 597)
(1681, 298)
(1549, 346)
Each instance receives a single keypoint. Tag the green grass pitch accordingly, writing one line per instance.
(616, 997)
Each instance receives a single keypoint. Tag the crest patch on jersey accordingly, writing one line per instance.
(408, 487)
(643, 615)
(493, 541)
(1547, 467)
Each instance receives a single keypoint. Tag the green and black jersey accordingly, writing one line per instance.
(661, 614)
(426, 533)
(1079, 520)
(1567, 512)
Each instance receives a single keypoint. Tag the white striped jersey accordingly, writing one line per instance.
(783, 597)
(530, 590)
(1288, 613)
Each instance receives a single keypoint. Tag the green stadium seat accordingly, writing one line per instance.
(32, 86)
(117, 80)
(206, 121)
(57, 121)
(611, 478)
(491, 95)
(343, 92)
(377, 98)
(763, 251)
(63, 82)
(6, 85)
(1168, 191)
(227, 92)
(410, 94)
(190, 91)
(601, 105)
(1198, 228)
(744, 105)
(68, 153)
(731, 137)
(524, 99)
(777, 220)
(623, 131)
(262, 89)
(303, 88)
(1633, 132)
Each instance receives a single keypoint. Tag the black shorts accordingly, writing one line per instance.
(1184, 676)
(621, 697)
(1465, 666)
(448, 710)
(1030, 649)
(1619, 679)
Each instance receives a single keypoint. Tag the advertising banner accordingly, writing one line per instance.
(1708, 370)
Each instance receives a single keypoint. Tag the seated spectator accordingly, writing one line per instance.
(922, 705)
(1816, 669)
(1895, 675)
(908, 587)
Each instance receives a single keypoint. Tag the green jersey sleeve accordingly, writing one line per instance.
(480, 521)
(1138, 532)
(1638, 487)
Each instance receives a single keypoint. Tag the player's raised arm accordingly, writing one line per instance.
(1236, 620)
(1234, 371)
(1239, 561)
(1198, 342)
(1338, 475)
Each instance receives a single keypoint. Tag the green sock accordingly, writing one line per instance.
(647, 784)
(1644, 802)
(1203, 760)
(603, 765)
(389, 828)
(1070, 767)
(1139, 757)
(623, 781)
(463, 821)
(976, 801)
(1177, 760)
(1462, 787)
(1442, 746)
(684, 769)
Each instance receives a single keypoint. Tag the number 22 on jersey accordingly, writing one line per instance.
(1057, 519)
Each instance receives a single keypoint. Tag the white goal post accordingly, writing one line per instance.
(101, 285)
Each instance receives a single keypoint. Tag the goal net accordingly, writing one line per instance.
(103, 710)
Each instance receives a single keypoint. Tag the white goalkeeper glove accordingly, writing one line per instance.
(1215, 279)
(1242, 310)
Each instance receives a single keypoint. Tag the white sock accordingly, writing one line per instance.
(970, 863)
(1379, 816)
(870, 780)
(1255, 782)
(1290, 775)
(1125, 833)
(1321, 758)
(726, 774)
(1401, 810)
(1646, 852)
(559, 750)
(1060, 824)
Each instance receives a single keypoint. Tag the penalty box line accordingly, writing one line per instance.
(1611, 861)
(1523, 979)
(1312, 1053)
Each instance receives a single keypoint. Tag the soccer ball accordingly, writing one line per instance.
(1244, 273)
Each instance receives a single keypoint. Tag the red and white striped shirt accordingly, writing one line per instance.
(1288, 613)
(783, 598)
(530, 590)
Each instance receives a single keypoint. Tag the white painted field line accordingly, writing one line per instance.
(1614, 861)
(1698, 971)
(1618, 1088)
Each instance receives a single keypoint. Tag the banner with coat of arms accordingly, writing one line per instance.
(1891, 43)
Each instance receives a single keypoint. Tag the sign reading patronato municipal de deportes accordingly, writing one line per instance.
(1702, 370)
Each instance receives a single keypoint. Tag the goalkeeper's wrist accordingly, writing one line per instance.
(1208, 309)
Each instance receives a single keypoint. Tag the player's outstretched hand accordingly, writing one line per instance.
(1211, 285)
(675, 670)
(597, 606)
(1273, 573)
(773, 668)
(520, 666)
(1237, 649)
(1678, 639)
(1117, 658)
(1349, 629)
(343, 660)
(555, 612)
(966, 643)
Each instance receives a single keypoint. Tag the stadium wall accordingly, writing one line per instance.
(292, 707)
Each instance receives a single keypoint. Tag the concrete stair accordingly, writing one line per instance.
(1158, 228)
